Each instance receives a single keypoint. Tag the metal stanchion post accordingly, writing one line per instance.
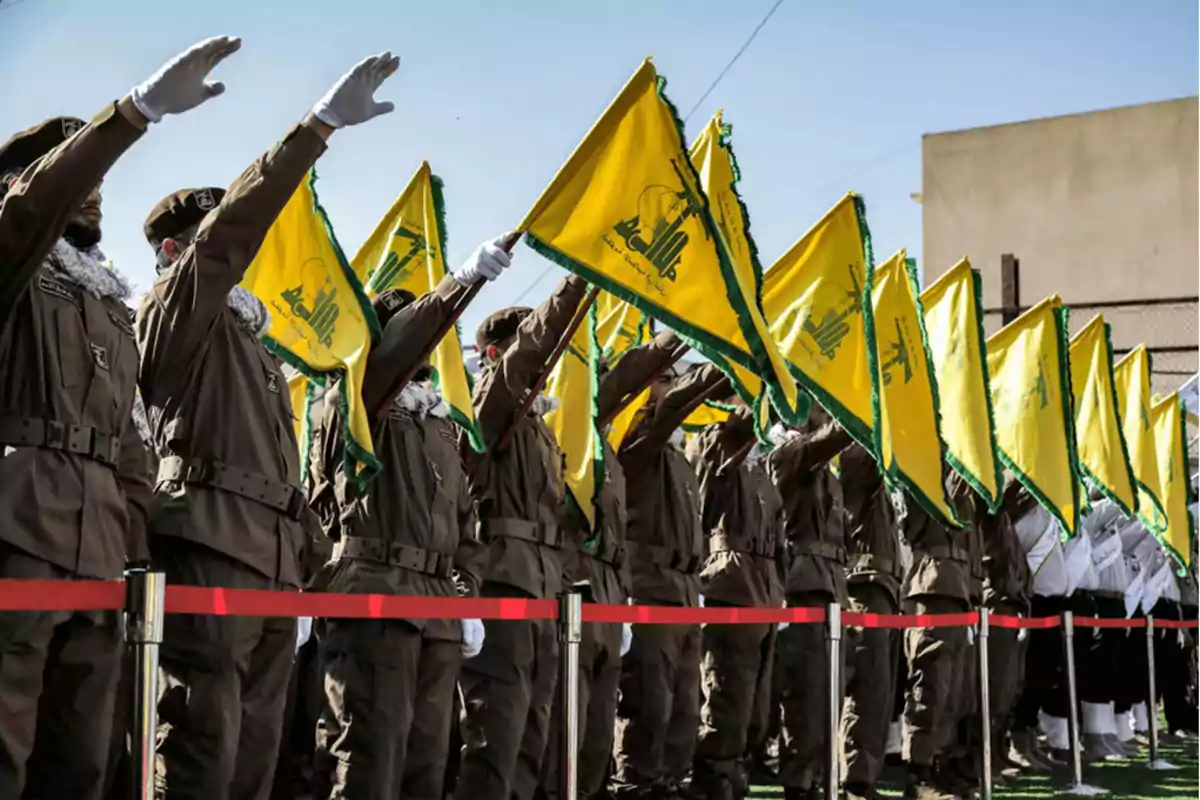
(1152, 698)
(1078, 786)
(985, 704)
(570, 634)
(834, 620)
(145, 594)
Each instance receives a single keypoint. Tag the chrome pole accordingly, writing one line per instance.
(834, 620)
(145, 595)
(570, 634)
(985, 704)
(1152, 700)
(1068, 623)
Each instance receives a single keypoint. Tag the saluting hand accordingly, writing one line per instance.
(180, 84)
(351, 101)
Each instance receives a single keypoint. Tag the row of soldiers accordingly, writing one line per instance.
(210, 491)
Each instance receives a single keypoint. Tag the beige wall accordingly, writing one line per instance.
(1097, 207)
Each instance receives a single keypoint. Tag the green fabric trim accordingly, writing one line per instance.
(993, 502)
(599, 467)
(1112, 385)
(468, 425)
(725, 142)
(364, 302)
(1187, 497)
(761, 362)
(306, 430)
(1061, 316)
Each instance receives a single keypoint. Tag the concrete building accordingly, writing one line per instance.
(1099, 207)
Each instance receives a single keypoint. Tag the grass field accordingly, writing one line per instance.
(1124, 780)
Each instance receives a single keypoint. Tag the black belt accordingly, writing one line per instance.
(80, 440)
(416, 559)
(534, 532)
(945, 552)
(664, 557)
(720, 542)
(283, 497)
(829, 550)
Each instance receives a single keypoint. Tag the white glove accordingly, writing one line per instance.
(970, 635)
(486, 262)
(626, 638)
(180, 85)
(472, 632)
(1022, 634)
(782, 626)
(701, 601)
(303, 631)
(351, 101)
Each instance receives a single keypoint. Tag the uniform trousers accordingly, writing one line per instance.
(872, 666)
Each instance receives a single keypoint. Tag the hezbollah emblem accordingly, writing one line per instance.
(654, 231)
(396, 268)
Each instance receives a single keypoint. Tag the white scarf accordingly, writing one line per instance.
(543, 405)
(422, 400)
(252, 313)
(89, 270)
(678, 440)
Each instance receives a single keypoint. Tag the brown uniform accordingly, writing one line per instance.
(389, 684)
(873, 577)
(740, 571)
(233, 513)
(1005, 591)
(73, 488)
(814, 523)
(520, 497)
(604, 578)
(659, 709)
(940, 581)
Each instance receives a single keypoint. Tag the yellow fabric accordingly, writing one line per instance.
(1166, 421)
(321, 321)
(813, 298)
(1034, 423)
(622, 422)
(574, 384)
(705, 414)
(906, 417)
(298, 394)
(953, 321)
(406, 251)
(713, 159)
(1132, 378)
(627, 213)
(1098, 436)
(619, 327)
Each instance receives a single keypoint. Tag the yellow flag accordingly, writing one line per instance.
(1131, 376)
(627, 213)
(710, 412)
(298, 393)
(1170, 439)
(1031, 396)
(620, 327)
(321, 321)
(575, 384)
(407, 250)
(907, 431)
(953, 310)
(712, 156)
(624, 420)
(813, 297)
(1099, 440)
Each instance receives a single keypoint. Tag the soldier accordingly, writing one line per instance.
(389, 684)
(75, 492)
(659, 708)
(740, 571)
(873, 580)
(519, 494)
(233, 513)
(939, 581)
(1005, 592)
(814, 524)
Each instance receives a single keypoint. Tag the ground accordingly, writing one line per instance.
(1124, 780)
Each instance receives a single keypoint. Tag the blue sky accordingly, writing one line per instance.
(832, 96)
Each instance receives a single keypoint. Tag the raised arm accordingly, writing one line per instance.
(502, 388)
(42, 201)
(634, 372)
(653, 426)
(801, 454)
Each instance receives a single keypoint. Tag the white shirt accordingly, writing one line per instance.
(1042, 543)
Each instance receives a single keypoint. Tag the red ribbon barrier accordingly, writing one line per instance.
(1175, 624)
(910, 620)
(1029, 623)
(690, 615)
(21, 595)
(255, 603)
(1101, 622)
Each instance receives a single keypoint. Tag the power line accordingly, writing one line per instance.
(733, 60)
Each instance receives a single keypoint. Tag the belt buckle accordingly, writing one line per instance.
(550, 536)
(54, 434)
(431, 562)
(102, 446)
(201, 471)
(296, 502)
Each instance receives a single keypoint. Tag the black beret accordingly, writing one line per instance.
(500, 326)
(390, 302)
(26, 147)
(177, 212)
